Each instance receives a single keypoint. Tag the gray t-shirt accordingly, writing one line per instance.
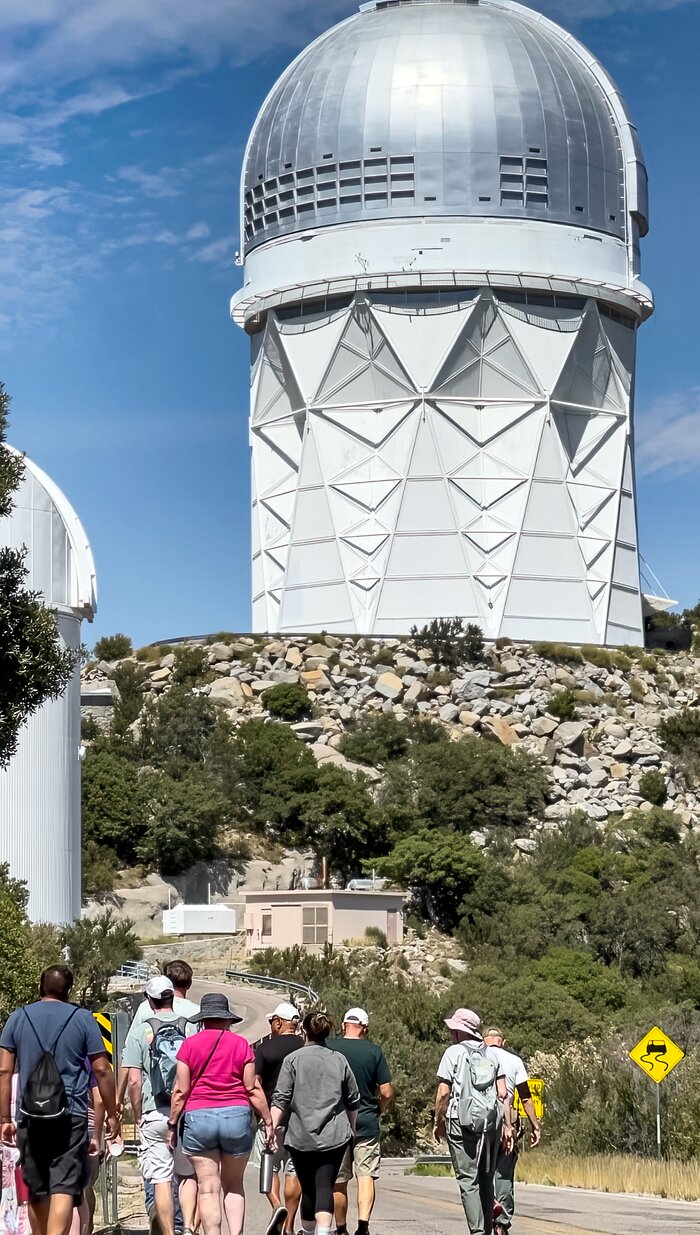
(317, 1087)
(137, 1052)
(80, 1039)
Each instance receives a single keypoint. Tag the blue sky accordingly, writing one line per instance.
(122, 128)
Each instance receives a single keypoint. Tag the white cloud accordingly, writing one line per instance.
(163, 183)
(668, 435)
(217, 251)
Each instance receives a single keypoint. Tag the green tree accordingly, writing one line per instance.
(267, 775)
(113, 815)
(440, 867)
(340, 821)
(19, 972)
(563, 705)
(130, 680)
(34, 664)
(680, 734)
(450, 642)
(113, 647)
(287, 700)
(177, 730)
(183, 819)
(96, 948)
(191, 666)
(652, 786)
(376, 738)
(463, 786)
(98, 869)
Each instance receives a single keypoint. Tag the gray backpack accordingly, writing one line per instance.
(479, 1108)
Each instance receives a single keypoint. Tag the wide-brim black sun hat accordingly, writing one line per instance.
(215, 1008)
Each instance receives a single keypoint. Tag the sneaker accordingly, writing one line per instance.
(277, 1222)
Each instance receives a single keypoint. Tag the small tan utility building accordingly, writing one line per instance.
(319, 916)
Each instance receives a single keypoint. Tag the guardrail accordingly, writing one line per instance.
(243, 976)
(138, 970)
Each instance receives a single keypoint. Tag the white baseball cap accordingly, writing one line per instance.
(160, 986)
(286, 1012)
(356, 1016)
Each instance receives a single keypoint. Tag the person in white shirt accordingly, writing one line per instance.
(517, 1081)
(473, 1154)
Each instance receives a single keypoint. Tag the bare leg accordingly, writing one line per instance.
(365, 1197)
(60, 1214)
(188, 1201)
(232, 1172)
(209, 1189)
(292, 1197)
(39, 1216)
(340, 1203)
(273, 1195)
(165, 1209)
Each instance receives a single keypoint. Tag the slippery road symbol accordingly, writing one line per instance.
(657, 1054)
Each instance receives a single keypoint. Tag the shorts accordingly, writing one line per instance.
(281, 1160)
(157, 1162)
(365, 1156)
(53, 1156)
(226, 1129)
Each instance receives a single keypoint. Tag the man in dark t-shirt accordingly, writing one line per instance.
(373, 1078)
(270, 1054)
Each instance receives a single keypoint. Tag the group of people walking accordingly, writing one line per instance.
(305, 1102)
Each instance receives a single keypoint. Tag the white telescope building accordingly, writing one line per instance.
(40, 788)
(442, 206)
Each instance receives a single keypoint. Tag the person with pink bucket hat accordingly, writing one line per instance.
(473, 1112)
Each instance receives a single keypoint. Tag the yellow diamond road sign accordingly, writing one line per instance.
(657, 1054)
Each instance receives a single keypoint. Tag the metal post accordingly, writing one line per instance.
(658, 1120)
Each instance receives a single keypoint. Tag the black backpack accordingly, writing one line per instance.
(44, 1094)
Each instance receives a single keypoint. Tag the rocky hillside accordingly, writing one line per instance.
(516, 697)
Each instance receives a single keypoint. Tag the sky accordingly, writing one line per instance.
(122, 129)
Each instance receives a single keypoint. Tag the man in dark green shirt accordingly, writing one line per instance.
(373, 1078)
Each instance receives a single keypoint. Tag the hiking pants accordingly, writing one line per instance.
(474, 1161)
(504, 1186)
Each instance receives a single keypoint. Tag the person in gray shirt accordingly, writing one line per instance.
(318, 1097)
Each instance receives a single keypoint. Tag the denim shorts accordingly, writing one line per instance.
(228, 1129)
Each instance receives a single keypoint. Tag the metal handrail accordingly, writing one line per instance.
(263, 979)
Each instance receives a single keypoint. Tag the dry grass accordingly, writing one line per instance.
(613, 1173)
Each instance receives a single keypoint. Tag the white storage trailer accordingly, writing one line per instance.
(199, 920)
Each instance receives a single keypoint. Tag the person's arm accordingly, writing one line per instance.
(442, 1097)
(282, 1097)
(507, 1129)
(105, 1083)
(134, 1089)
(181, 1092)
(8, 1130)
(526, 1099)
(256, 1097)
(98, 1107)
(385, 1089)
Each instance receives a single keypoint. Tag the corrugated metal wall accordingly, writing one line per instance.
(40, 802)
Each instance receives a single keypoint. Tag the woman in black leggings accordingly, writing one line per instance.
(317, 1099)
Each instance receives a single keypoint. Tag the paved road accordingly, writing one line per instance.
(250, 1002)
(420, 1206)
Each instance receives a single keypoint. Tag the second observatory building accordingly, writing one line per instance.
(442, 205)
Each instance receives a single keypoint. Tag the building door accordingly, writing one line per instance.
(392, 926)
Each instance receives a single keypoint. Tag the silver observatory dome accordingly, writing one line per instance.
(420, 108)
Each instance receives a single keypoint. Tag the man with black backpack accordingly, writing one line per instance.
(48, 1043)
(473, 1111)
(150, 1055)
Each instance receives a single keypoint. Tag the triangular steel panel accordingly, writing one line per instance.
(372, 425)
(550, 463)
(588, 501)
(422, 339)
(547, 350)
(367, 543)
(424, 459)
(487, 492)
(488, 542)
(369, 494)
(373, 467)
(589, 378)
(275, 393)
(309, 349)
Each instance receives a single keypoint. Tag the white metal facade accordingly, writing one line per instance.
(40, 790)
(442, 203)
